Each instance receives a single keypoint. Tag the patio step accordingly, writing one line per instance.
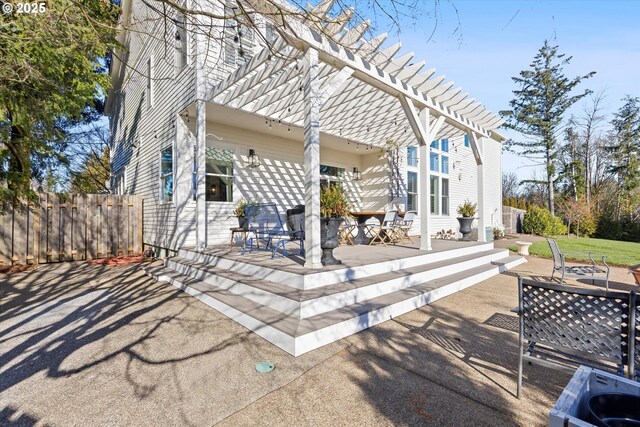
(311, 302)
(298, 336)
(277, 271)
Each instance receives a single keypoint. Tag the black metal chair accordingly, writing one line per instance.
(591, 272)
(566, 326)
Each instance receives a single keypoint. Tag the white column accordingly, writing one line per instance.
(312, 159)
(482, 223)
(201, 158)
(424, 186)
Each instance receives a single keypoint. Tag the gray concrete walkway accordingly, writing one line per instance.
(86, 345)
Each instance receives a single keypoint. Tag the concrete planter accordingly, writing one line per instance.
(329, 239)
(465, 227)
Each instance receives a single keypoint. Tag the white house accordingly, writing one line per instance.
(189, 107)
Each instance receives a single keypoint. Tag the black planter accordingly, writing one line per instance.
(465, 227)
(329, 239)
(243, 223)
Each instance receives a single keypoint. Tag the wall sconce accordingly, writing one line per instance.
(213, 190)
(456, 164)
(254, 159)
(357, 175)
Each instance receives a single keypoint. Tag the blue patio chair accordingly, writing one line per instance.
(266, 225)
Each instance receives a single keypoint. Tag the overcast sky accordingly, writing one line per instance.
(497, 39)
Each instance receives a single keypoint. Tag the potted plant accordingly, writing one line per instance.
(467, 212)
(239, 211)
(498, 232)
(333, 208)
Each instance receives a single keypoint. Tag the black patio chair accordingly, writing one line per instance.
(565, 327)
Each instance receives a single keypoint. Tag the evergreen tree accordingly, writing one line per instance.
(625, 156)
(53, 76)
(542, 98)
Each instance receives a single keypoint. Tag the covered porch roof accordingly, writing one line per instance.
(364, 88)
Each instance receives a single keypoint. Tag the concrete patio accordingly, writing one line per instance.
(90, 345)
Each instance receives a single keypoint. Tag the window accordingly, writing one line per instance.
(466, 141)
(330, 175)
(181, 41)
(445, 196)
(435, 205)
(149, 83)
(434, 162)
(166, 175)
(119, 182)
(444, 145)
(444, 161)
(219, 175)
(239, 40)
(412, 191)
(434, 144)
(412, 156)
(439, 180)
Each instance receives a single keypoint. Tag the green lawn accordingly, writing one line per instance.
(618, 253)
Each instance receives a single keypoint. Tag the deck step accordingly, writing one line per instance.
(311, 302)
(298, 336)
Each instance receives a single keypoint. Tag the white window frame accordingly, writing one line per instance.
(233, 177)
(181, 48)
(415, 193)
(173, 174)
(333, 179)
(440, 175)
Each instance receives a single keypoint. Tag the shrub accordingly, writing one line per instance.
(333, 202)
(467, 209)
(539, 221)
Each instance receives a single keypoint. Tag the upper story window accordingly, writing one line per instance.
(166, 174)
(412, 156)
(181, 41)
(466, 140)
(239, 39)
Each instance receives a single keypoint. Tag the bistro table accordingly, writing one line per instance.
(363, 217)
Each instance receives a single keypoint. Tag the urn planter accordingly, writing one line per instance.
(329, 239)
(465, 227)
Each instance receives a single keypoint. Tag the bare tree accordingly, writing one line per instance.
(591, 122)
(510, 185)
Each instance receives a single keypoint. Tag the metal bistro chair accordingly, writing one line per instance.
(385, 232)
(404, 225)
(566, 326)
(592, 272)
(266, 225)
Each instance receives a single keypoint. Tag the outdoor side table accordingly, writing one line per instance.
(523, 248)
(235, 230)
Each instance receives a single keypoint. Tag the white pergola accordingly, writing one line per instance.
(354, 90)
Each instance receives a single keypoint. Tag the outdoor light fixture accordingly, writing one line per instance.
(213, 190)
(357, 175)
(254, 159)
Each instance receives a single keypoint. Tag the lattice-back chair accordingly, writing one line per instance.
(567, 326)
(591, 272)
(345, 232)
(385, 232)
(404, 225)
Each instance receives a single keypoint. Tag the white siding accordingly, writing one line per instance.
(280, 179)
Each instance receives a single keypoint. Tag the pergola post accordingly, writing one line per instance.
(424, 187)
(201, 143)
(476, 147)
(312, 103)
(201, 159)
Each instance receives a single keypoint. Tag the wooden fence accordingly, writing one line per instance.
(70, 227)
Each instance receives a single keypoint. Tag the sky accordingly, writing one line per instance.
(497, 39)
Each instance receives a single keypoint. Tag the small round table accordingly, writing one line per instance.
(235, 230)
(523, 248)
